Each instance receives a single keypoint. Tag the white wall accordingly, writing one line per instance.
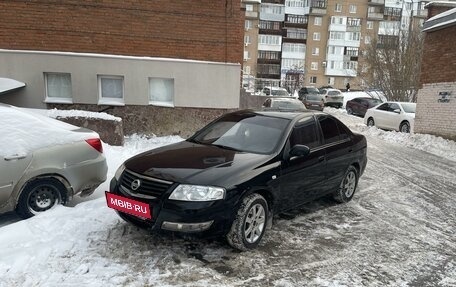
(197, 84)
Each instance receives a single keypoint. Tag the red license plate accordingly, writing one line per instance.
(127, 205)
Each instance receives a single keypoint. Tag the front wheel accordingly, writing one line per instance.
(349, 111)
(347, 186)
(40, 195)
(404, 127)
(250, 223)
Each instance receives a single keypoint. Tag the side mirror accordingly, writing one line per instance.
(397, 111)
(299, 151)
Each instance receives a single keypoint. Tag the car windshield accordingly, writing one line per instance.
(288, 105)
(313, 97)
(409, 107)
(333, 93)
(244, 132)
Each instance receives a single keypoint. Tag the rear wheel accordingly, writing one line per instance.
(250, 223)
(40, 195)
(404, 127)
(347, 186)
(370, 122)
(349, 111)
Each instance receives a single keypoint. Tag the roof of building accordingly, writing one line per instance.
(440, 21)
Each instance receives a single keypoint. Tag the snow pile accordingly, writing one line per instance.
(428, 143)
(23, 132)
(54, 113)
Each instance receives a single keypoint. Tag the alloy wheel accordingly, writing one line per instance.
(349, 184)
(254, 223)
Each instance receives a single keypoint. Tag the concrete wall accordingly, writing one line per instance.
(197, 84)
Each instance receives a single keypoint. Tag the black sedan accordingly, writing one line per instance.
(235, 173)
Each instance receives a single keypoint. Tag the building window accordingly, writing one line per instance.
(315, 51)
(318, 21)
(353, 22)
(370, 25)
(337, 35)
(246, 55)
(298, 19)
(316, 36)
(367, 39)
(352, 8)
(161, 92)
(58, 88)
(296, 33)
(314, 66)
(270, 25)
(249, 7)
(331, 81)
(269, 55)
(313, 80)
(248, 24)
(338, 7)
(246, 40)
(111, 90)
(247, 70)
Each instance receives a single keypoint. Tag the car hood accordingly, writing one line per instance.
(187, 162)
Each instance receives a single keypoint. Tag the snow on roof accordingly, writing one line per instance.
(23, 131)
(7, 84)
(440, 20)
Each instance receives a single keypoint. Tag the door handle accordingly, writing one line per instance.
(15, 156)
(321, 158)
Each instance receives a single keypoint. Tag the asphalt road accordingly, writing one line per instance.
(399, 230)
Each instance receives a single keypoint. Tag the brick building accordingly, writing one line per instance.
(143, 58)
(436, 105)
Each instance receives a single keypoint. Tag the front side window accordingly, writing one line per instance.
(161, 92)
(111, 90)
(305, 133)
(58, 88)
(383, 107)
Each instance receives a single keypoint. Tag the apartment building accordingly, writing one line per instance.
(320, 42)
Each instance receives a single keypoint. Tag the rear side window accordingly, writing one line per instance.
(305, 133)
(329, 129)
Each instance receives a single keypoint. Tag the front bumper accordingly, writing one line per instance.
(207, 218)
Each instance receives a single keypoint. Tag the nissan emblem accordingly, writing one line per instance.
(135, 184)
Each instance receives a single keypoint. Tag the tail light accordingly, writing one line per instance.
(96, 144)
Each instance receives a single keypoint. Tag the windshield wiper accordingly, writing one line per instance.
(226, 147)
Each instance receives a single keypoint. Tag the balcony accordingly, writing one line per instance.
(318, 7)
(375, 16)
(295, 36)
(376, 2)
(296, 21)
(353, 28)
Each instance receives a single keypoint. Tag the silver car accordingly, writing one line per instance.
(45, 162)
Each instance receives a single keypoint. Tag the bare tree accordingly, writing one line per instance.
(393, 63)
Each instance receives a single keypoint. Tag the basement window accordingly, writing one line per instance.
(161, 92)
(58, 88)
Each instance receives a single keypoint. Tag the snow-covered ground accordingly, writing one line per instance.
(397, 231)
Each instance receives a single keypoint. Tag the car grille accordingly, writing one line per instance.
(148, 186)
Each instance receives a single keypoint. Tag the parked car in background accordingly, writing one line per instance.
(275, 91)
(283, 104)
(304, 91)
(359, 106)
(45, 162)
(314, 102)
(332, 97)
(397, 116)
(232, 176)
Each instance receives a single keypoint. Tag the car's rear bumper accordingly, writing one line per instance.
(86, 176)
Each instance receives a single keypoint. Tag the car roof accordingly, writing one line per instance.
(290, 99)
(290, 115)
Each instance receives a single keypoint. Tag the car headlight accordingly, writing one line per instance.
(186, 192)
(119, 171)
